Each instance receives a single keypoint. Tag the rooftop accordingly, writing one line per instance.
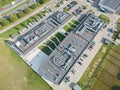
(111, 5)
(32, 38)
(61, 60)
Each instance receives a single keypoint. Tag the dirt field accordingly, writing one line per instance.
(15, 74)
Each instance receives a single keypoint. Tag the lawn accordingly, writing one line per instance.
(75, 22)
(60, 36)
(67, 28)
(55, 40)
(45, 49)
(71, 25)
(48, 51)
(105, 18)
(50, 44)
(16, 74)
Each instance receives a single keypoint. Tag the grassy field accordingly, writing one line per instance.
(104, 76)
(15, 74)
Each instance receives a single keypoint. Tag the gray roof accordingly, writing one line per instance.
(62, 59)
(32, 38)
(112, 5)
(89, 27)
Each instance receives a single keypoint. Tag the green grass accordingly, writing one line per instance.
(55, 40)
(75, 22)
(50, 44)
(66, 9)
(60, 36)
(45, 49)
(115, 87)
(9, 32)
(70, 24)
(67, 29)
(5, 2)
(16, 74)
(84, 7)
(105, 18)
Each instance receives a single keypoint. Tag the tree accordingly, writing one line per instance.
(13, 17)
(41, 1)
(35, 5)
(27, 10)
(4, 22)
(20, 14)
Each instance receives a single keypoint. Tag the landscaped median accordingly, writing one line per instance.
(52, 43)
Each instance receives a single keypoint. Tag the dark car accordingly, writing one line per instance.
(80, 63)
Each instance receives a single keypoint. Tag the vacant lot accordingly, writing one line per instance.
(15, 74)
(105, 76)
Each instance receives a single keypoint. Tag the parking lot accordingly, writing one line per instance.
(80, 66)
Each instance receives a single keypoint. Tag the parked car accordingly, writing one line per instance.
(79, 63)
(90, 47)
